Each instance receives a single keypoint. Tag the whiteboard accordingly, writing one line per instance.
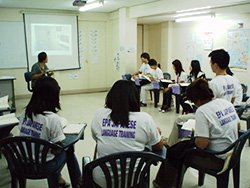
(12, 45)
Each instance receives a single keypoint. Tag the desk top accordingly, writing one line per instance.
(71, 139)
(7, 78)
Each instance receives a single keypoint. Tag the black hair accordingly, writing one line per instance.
(196, 68)
(152, 62)
(122, 98)
(220, 57)
(41, 57)
(199, 90)
(229, 72)
(178, 67)
(145, 55)
(45, 97)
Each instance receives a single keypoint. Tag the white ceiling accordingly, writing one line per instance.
(224, 6)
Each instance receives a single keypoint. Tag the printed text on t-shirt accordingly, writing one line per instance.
(225, 116)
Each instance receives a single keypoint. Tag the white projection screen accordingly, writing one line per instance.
(56, 35)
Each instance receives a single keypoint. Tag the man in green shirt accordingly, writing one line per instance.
(40, 68)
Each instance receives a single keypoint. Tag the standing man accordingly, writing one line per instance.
(40, 68)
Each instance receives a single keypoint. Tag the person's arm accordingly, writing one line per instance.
(158, 146)
(201, 142)
(38, 75)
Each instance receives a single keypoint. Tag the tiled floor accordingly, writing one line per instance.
(80, 108)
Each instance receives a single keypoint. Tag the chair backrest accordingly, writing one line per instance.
(27, 77)
(238, 146)
(27, 156)
(167, 76)
(125, 169)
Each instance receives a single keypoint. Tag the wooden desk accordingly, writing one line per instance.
(68, 144)
(7, 88)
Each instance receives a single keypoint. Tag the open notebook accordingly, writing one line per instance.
(8, 119)
(74, 128)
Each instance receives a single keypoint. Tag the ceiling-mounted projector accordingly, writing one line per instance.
(79, 3)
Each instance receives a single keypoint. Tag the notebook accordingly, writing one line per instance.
(74, 128)
(8, 119)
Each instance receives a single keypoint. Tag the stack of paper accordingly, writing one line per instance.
(8, 119)
(74, 128)
(4, 103)
(189, 125)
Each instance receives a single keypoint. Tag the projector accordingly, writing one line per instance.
(79, 3)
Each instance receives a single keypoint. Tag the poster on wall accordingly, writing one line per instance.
(238, 48)
(208, 40)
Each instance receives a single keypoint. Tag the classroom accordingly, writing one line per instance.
(89, 51)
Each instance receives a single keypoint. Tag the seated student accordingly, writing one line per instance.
(154, 74)
(40, 68)
(42, 109)
(195, 73)
(223, 85)
(181, 77)
(120, 126)
(216, 128)
(144, 69)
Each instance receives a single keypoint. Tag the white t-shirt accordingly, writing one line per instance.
(47, 127)
(182, 78)
(199, 75)
(224, 86)
(111, 138)
(145, 68)
(156, 73)
(218, 121)
(239, 93)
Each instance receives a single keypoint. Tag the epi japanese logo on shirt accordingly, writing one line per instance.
(109, 129)
(31, 128)
(225, 116)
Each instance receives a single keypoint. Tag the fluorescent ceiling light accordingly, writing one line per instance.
(92, 5)
(193, 9)
(190, 14)
(195, 18)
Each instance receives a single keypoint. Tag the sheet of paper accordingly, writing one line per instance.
(4, 103)
(189, 125)
(74, 128)
(8, 119)
(166, 81)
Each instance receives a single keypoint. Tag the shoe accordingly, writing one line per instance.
(156, 105)
(64, 185)
(143, 104)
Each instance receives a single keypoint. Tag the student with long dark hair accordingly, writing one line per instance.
(42, 110)
(195, 71)
(216, 128)
(181, 76)
(120, 126)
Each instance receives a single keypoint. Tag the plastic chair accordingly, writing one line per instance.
(245, 97)
(27, 77)
(232, 162)
(124, 169)
(26, 157)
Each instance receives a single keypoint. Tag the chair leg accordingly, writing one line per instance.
(22, 183)
(236, 175)
(13, 181)
(222, 180)
(201, 178)
(181, 176)
(53, 181)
